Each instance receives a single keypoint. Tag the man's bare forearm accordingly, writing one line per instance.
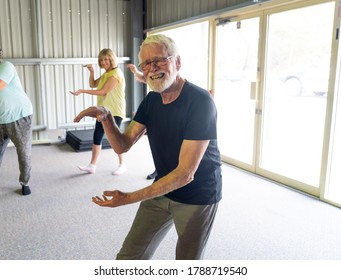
(173, 181)
(118, 141)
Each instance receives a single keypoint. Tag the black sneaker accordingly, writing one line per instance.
(25, 190)
(152, 176)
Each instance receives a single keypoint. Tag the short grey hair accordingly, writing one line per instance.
(160, 39)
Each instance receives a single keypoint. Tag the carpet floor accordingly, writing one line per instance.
(256, 220)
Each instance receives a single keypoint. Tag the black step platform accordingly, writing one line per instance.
(81, 140)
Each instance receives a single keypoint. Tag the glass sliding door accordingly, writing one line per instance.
(271, 88)
(296, 75)
(333, 178)
(235, 88)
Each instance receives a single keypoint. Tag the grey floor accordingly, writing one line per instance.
(256, 220)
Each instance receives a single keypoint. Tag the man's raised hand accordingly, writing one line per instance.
(98, 112)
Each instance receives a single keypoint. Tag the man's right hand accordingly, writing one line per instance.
(98, 112)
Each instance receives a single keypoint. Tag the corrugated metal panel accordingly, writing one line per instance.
(81, 28)
(15, 28)
(32, 31)
(162, 12)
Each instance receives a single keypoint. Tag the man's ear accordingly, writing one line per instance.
(178, 62)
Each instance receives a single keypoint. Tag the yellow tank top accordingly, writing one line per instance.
(114, 100)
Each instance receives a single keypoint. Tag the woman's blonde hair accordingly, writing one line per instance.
(110, 54)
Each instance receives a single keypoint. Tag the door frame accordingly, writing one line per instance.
(263, 12)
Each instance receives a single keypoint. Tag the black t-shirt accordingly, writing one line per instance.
(192, 116)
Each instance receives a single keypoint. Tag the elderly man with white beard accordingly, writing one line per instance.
(181, 121)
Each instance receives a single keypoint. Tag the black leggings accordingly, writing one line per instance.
(99, 130)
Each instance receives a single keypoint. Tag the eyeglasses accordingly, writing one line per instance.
(157, 62)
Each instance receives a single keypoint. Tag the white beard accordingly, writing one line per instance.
(160, 85)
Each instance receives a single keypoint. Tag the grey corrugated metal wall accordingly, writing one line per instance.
(49, 40)
(162, 12)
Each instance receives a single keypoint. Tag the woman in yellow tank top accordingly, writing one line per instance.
(110, 92)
